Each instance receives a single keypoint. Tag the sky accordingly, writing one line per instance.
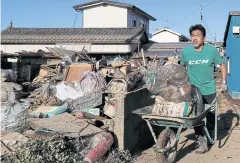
(177, 15)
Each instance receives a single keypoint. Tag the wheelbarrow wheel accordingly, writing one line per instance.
(166, 137)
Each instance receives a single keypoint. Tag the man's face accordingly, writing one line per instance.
(197, 38)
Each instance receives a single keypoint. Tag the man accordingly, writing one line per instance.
(200, 58)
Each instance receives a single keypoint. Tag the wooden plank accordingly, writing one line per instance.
(66, 124)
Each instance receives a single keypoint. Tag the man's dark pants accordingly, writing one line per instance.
(210, 122)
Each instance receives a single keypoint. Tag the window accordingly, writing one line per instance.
(142, 23)
(133, 21)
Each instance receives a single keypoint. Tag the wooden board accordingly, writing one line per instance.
(65, 124)
(74, 72)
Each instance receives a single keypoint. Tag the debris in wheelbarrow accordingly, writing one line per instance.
(169, 81)
(165, 108)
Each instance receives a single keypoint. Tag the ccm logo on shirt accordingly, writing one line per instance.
(196, 62)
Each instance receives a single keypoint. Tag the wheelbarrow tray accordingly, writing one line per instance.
(159, 120)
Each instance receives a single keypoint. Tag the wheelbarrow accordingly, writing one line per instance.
(166, 142)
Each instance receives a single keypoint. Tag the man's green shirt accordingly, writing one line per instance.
(200, 67)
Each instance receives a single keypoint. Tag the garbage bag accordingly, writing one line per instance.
(13, 115)
(64, 92)
(92, 81)
(169, 81)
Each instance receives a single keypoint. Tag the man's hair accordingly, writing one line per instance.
(197, 27)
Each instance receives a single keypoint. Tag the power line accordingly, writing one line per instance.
(201, 8)
(208, 29)
(184, 26)
(74, 23)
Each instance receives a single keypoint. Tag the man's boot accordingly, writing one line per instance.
(202, 146)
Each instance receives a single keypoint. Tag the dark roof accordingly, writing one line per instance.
(72, 35)
(165, 49)
(167, 45)
(232, 13)
(113, 3)
(163, 53)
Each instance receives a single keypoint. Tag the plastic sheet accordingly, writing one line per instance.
(14, 116)
(64, 92)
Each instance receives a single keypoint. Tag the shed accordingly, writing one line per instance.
(232, 45)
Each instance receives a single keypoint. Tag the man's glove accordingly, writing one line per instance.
(224, 86)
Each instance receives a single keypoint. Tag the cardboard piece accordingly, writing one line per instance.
(74, 72)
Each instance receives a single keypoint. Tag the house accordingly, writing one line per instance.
(112, 14)
(94, 40)
(232, 47)
(164, 49)
(167, 35)
(109, 27)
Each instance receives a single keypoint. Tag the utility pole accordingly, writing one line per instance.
(201, 16)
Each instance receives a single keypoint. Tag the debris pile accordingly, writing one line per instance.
(170, 83)
(62, 149)
(65, 111)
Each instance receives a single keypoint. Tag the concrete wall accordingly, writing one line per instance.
(233, 52)
(130, 128)
(105, 17)
(165, 36)
(120, 48)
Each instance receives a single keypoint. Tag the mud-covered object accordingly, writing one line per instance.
(169, 81)
(60, 149)
(10, 91)
(8, 75)
(163, 107)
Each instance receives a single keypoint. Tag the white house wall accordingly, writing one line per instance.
(138, 17)
(165, 36)
(8, 48)
(105, 17)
